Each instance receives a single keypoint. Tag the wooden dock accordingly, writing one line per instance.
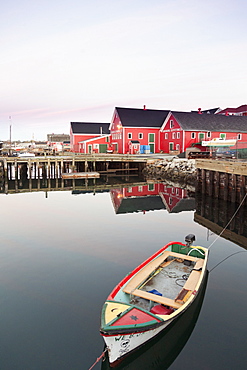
(222, 179)
(54, 166)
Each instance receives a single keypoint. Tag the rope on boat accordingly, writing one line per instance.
(98, 359)
(229, 221)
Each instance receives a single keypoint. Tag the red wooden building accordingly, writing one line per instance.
(88, 136)
(132, 129)
(148, 130)
(182, 130)
(239, 111)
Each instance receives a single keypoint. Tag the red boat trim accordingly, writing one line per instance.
(138, 268)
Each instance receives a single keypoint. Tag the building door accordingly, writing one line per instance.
(201, 136)
(102, 148)
(151, 142)
(90, 149)
(151, 147)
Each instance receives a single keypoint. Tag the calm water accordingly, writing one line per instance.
(62, 253)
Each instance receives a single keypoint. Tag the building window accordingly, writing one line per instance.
(239, 136)
(208, 134)
(150, 187)
(178, 135)
(140, 189)
(171, 123)
(193, 135)
(129, 190)
(129, 135)
(107, 139)
(96, 146)
(174, 135)
(177, 147)
(140, 135)
(166, 136)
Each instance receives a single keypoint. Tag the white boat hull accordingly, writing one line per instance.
(121, 345)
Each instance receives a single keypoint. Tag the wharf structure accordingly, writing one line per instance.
(54, 166)
(47, 171)
(223, 179)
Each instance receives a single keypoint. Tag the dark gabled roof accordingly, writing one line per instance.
(185, 204)
(210, 122)
(134, 117)
(139, 204)
(93, 128)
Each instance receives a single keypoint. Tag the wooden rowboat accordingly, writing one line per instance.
(152, 296)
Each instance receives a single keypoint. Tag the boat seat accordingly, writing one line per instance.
(191, 283)
(145, 272)
(156, 298)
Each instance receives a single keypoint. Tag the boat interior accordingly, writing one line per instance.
(167, 280)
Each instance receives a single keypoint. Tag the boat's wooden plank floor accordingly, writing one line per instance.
(143, 274)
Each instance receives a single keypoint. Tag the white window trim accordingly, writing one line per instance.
(129, 135)
(239, 137)
(140, 135)
(171, 123)
(193, 135)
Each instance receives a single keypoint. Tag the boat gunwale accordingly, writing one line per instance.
(138, 268)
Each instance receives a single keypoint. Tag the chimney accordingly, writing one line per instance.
(144, 107)
(199, 110)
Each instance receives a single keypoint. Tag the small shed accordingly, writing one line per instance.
(134, 147)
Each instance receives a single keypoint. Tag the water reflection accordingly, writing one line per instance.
(60, 257)
(215, 214)
(150, 197)
(161, 352)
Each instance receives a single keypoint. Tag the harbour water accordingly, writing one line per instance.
(62, 252)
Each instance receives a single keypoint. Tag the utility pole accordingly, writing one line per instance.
(10, 138)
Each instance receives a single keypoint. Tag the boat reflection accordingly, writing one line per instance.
(161, 351)
(215, 214)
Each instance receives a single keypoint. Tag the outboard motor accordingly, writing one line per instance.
(189, 239)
